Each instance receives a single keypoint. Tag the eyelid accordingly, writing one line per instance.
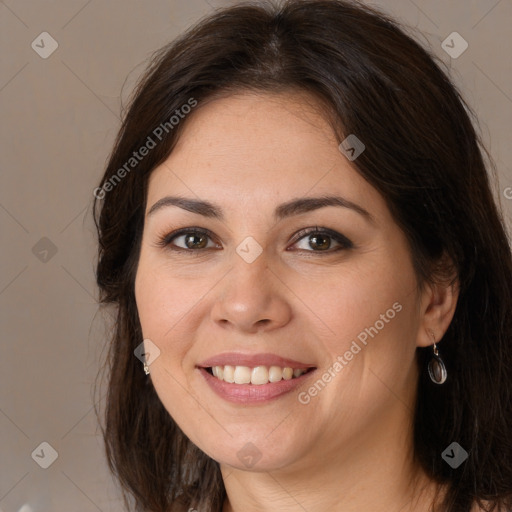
(166, 239)
(341, 239)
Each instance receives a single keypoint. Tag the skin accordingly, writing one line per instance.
(350, 447)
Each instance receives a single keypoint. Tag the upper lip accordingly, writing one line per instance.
(252, 360)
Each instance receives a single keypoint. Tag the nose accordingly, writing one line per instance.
(251, 298)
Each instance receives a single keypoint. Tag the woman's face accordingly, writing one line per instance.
(260, 288)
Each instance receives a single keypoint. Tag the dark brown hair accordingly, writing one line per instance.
(425, 158)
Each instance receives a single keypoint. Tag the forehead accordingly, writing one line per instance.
(250, 149)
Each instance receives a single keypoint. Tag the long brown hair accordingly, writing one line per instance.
(425, 158)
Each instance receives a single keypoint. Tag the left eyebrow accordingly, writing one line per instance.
(288, 209)
(308, 204)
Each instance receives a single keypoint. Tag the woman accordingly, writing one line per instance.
(312, 280)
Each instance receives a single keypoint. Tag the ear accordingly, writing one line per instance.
(437, 307)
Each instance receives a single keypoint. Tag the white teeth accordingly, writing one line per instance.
(287, 373)
(242, 375)
(229, 373)
(258, 375)
(275, 374)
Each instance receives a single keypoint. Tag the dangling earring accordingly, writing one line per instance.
(436, 367)
(146, 368)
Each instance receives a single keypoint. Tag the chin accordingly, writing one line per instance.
(256, 453)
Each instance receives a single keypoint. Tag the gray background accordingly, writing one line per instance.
(59, 119)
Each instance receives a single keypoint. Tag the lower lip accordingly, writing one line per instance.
(251, 393)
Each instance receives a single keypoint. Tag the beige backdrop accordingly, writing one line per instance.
(60, 113)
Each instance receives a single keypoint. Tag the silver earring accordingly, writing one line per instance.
(436, 367)
(146, 368)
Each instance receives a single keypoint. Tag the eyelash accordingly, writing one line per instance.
(343, 241)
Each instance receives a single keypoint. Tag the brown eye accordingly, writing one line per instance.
(189, 239)
(321, 240)
(194, 241)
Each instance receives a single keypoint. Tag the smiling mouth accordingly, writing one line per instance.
(258, 375)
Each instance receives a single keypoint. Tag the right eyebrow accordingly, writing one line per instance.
(288, 209)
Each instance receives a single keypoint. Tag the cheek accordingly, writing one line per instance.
(164, 306)
(170, 309)
(161, 303)
(357, 297)
(369, 318)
